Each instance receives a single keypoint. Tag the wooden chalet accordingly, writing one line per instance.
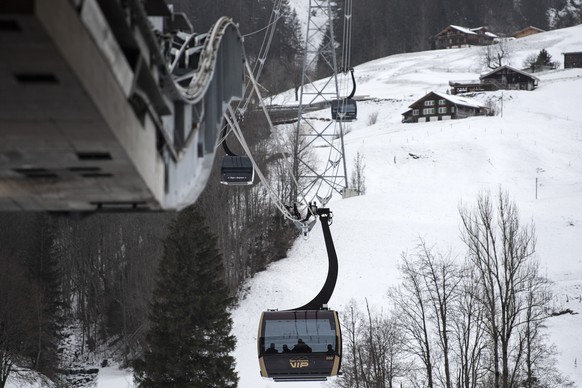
(572, 60)
(439, 106)
(456, 37)
(507, 77)
(469, 87)
(529, 30)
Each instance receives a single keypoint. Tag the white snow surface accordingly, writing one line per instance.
(538, 139)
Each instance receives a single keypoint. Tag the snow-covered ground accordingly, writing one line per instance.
(538, 139)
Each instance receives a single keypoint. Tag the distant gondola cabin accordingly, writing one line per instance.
(438, 106)
(345, 109)
(236, 170)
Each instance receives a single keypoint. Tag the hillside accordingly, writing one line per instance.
(538, 137)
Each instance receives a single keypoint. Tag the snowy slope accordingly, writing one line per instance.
(539, 136)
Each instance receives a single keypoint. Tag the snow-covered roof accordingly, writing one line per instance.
(454, 99)
(529, 28)
(465, 82)
(469, 31)
(463, 29)
(510, 68)
(460, 100)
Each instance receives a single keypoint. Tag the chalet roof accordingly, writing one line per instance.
(454, 99)
(464, 82)
(483, 30)
(460, 100)
(529, 28)
(458, 28)
(510, 68)
(572, 52)
(469, 31)
(465, 29)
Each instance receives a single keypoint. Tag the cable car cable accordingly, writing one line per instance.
(238, 133)
(259, 63)
(273, 131)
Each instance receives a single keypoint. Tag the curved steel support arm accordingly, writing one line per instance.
(326, 292)
(353, 84)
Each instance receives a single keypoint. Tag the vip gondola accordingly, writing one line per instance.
(305, 343)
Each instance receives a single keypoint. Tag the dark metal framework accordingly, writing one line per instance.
(316, 182)
(110, 105)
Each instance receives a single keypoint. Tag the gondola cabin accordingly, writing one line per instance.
(345, 109)
(299, 345)
(237, 170)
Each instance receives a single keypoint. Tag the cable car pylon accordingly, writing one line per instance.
(332, 178)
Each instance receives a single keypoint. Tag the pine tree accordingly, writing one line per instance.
(189, 340)
(544, 58)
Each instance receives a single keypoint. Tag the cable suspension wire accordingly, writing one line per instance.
(273, 130)
(261, 59)
(275, 133)
(346, 45)
(268, 39)
(347, 37)
(234, 127)
(262, 29)
(233, 123)
(335, 155)
(302, 223)
(263, 52)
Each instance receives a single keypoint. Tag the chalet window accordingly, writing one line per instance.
(415, 112)
(429, 103)
(443, 109)
(428, 111)
(442, 102)
(452, 109)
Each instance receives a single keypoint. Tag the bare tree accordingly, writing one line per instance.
(412, 305)
(471, 344)
(496, 55)
(352, 325)
(441, 277)
(501, 250)
(531, 337)
(374, 358)
(428, 302)
(358, 177)
(385, 359)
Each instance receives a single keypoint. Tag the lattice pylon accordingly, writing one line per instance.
(319, 179)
